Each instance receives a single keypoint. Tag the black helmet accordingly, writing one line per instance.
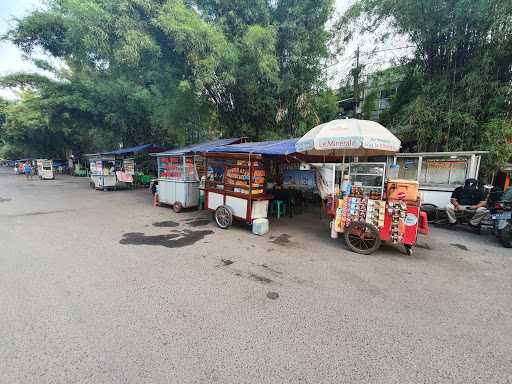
(471, 184)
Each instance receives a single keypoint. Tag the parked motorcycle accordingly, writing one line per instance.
(501, 214)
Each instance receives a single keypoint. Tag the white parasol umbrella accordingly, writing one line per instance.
(350, 137)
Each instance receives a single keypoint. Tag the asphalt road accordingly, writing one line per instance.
(102, 287)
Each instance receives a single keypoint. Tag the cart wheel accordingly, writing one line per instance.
(224, 217)
(362, 238)
(431, 210)
(177, 207)
(408, 249)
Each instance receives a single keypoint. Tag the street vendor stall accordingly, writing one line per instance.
(115, 169)
(367, 207)
(235, 187)
(179, 173)
(45, 169)
(178, 181)
(245, 180)
(103, 172)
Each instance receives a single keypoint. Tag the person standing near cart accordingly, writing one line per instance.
(27, 170)
(467, 198)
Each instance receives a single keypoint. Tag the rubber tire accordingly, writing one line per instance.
(505, 236)
(368, 251)
(177, 207)
(431, 210)
(230, 216)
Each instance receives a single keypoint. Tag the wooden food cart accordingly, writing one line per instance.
(235, 187)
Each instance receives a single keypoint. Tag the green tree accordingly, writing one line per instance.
(26, 130)
(456, 90)
(178, 71)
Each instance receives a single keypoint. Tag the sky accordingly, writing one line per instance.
(11, 58)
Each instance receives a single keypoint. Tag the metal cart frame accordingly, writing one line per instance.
(179, 192)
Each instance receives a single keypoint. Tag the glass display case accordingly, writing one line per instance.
(368, 176)
(177, 168)
(178, 181)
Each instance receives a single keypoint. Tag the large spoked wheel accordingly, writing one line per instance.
(362, 238)
(224, 217)
(177, 207)
(505, 235)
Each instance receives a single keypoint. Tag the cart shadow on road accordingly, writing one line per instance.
(198, 222)
(177, 239)
(166, 224)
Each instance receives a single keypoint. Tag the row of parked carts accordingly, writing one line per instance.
(235, 182)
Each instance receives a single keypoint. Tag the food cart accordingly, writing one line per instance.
(178, 181)
(242, 179)
(367, 216)
(179, 173)
(45, 169)
(235, 187)
(115, 169)
(367, 208)
(103, 172)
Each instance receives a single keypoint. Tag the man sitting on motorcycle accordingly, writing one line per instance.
(466, 198)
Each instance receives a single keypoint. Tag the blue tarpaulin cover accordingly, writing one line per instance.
(269, 148)
(200, 148)
(127, 151)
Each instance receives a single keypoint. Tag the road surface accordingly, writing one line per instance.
(102, 287)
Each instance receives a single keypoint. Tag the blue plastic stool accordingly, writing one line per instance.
(278, 208)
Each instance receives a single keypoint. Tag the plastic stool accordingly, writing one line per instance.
(423, 225)
(278, 208)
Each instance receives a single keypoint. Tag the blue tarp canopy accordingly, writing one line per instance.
(268, 148)
(200, 148)
(127, 151)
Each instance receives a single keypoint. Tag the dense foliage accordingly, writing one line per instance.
(456, 91)
(174, 71)
(179, 71)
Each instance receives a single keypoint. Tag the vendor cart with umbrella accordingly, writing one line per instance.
(368, 207)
